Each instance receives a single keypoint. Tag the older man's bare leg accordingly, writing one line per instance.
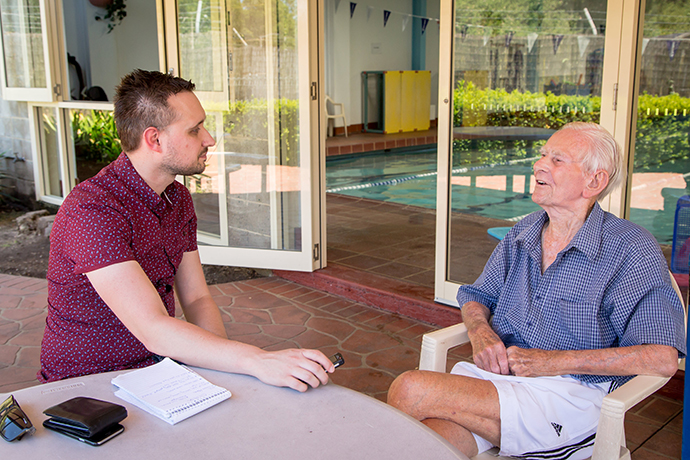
(452, 405)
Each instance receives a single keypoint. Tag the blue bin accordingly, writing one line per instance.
(681, 236)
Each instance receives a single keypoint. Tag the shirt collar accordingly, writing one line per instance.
(124, 169)
(587, 239)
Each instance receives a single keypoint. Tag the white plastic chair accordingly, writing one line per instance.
(610, 439)
(331, 118)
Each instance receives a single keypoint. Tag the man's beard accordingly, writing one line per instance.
(188, 170)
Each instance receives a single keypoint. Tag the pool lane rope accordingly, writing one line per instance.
(399, 180)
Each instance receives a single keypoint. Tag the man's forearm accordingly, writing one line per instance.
(474, 316)
(658, 360)
(205, 313)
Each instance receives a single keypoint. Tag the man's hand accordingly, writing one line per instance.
(530, 362)
(297, 369)
(488, 350)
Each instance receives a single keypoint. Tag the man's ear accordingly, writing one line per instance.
(151, 139)
(597, 183)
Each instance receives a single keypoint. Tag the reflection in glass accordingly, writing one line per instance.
(258, 134)
(52, 170)
(95, 141)
(200, 28)
(520, 73)
(23, 43)
(662, 151)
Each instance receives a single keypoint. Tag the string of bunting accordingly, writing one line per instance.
(405, 17)
(556, 39)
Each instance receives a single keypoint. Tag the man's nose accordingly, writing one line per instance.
(538, 165)
(209, 141)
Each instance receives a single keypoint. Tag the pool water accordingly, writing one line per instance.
(408, 177)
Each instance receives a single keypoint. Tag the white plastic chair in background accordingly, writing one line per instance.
(331, 118)
(610, 439)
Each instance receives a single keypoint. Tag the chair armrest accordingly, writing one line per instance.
(610, 439)
(435, 346)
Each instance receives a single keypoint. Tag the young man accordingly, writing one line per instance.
(125, 237)
(572, 303)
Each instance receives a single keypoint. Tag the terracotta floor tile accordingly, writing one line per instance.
(397, 270)
(425, 278)
(639, 429)
(335, 254)
(339, 329)
(661, 409)
(290, 315)
(259, 301)
(369, 342)
(665, 442)
(315, 339)
(8, 354)
(363, 262)
(283, 331)
(250, 316)
(240, 329)
(395, 360)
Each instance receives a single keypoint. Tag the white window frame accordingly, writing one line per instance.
(48, 93)
(618, 72)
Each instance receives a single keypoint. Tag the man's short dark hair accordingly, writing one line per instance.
(141, 101)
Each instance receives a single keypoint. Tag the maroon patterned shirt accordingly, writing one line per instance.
(111, 218)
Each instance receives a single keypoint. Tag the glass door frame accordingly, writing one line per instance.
(617, 104)
(310, 99)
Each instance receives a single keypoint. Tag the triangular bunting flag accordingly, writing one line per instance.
(582, 44)
(386, 15)
(509, 38)
(337, 4)
(672, 48)
(353, 5)
(405, 20)
(556, 41)
(425, 22)
(487, 35)
(463, 31)
(369, 11)
(531, 40)
(645, 42)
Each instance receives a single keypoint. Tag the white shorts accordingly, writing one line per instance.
(543, 417)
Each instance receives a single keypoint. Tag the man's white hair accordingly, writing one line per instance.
(599, 151)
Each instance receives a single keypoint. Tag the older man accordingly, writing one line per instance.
(581, 301)
(124, 243)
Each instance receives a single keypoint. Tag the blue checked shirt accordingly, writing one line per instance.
(610, 287)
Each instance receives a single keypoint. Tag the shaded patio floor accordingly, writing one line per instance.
(274, 313)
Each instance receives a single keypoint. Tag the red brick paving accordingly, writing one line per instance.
(275, 313)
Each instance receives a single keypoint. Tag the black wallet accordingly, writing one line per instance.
(84, 416)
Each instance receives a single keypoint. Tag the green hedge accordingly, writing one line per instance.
(663, 124)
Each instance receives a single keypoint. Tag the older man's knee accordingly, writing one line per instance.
(406, 391)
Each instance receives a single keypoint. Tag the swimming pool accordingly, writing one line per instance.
(499, 191)
(408, 177)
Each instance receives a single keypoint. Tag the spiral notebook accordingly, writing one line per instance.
(169, 391)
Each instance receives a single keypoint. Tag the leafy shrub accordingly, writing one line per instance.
(95, 136)
(663, 126)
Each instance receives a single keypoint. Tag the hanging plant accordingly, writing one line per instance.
(115, 12)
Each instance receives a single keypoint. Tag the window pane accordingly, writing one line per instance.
(52, 169)
(520, 73)
(22, 38)
(100, 52)
(200, 28)
(95, 141)
(257, 138)
(662, 154)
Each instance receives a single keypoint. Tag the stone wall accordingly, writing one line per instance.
(17, 164)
